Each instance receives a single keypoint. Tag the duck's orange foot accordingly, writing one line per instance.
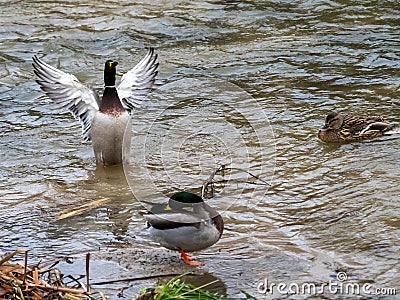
(188, 259)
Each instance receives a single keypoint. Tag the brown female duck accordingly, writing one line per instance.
(347, 128)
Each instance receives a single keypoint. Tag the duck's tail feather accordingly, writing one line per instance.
(395, 129)
(383, 127)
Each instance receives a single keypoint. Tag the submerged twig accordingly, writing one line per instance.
(205, 192)
(251, 174)
(208, 189)
(76, 280)
(25, 266)
(134, 278)
(81, 208)
(8, 256)
(87, 272)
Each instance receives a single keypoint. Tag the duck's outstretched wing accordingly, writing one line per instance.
(67, 92)
(137, 82)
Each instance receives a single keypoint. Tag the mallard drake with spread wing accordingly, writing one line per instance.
(347, 128)
(104, 121)
(186, 223)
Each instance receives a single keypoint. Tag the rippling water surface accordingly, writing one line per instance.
(241, 83)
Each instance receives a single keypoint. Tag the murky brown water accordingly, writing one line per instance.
(329, 207)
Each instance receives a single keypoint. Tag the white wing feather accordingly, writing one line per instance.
(137, 82)
(67, 92)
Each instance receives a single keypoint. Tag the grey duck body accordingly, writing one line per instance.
(185, 224)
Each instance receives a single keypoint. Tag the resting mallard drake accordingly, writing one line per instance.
(347, 128)
(186, 223)
(103, 121)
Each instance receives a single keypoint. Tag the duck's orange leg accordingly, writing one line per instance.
(187, 259)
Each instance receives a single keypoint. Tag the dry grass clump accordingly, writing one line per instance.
(22, 282)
